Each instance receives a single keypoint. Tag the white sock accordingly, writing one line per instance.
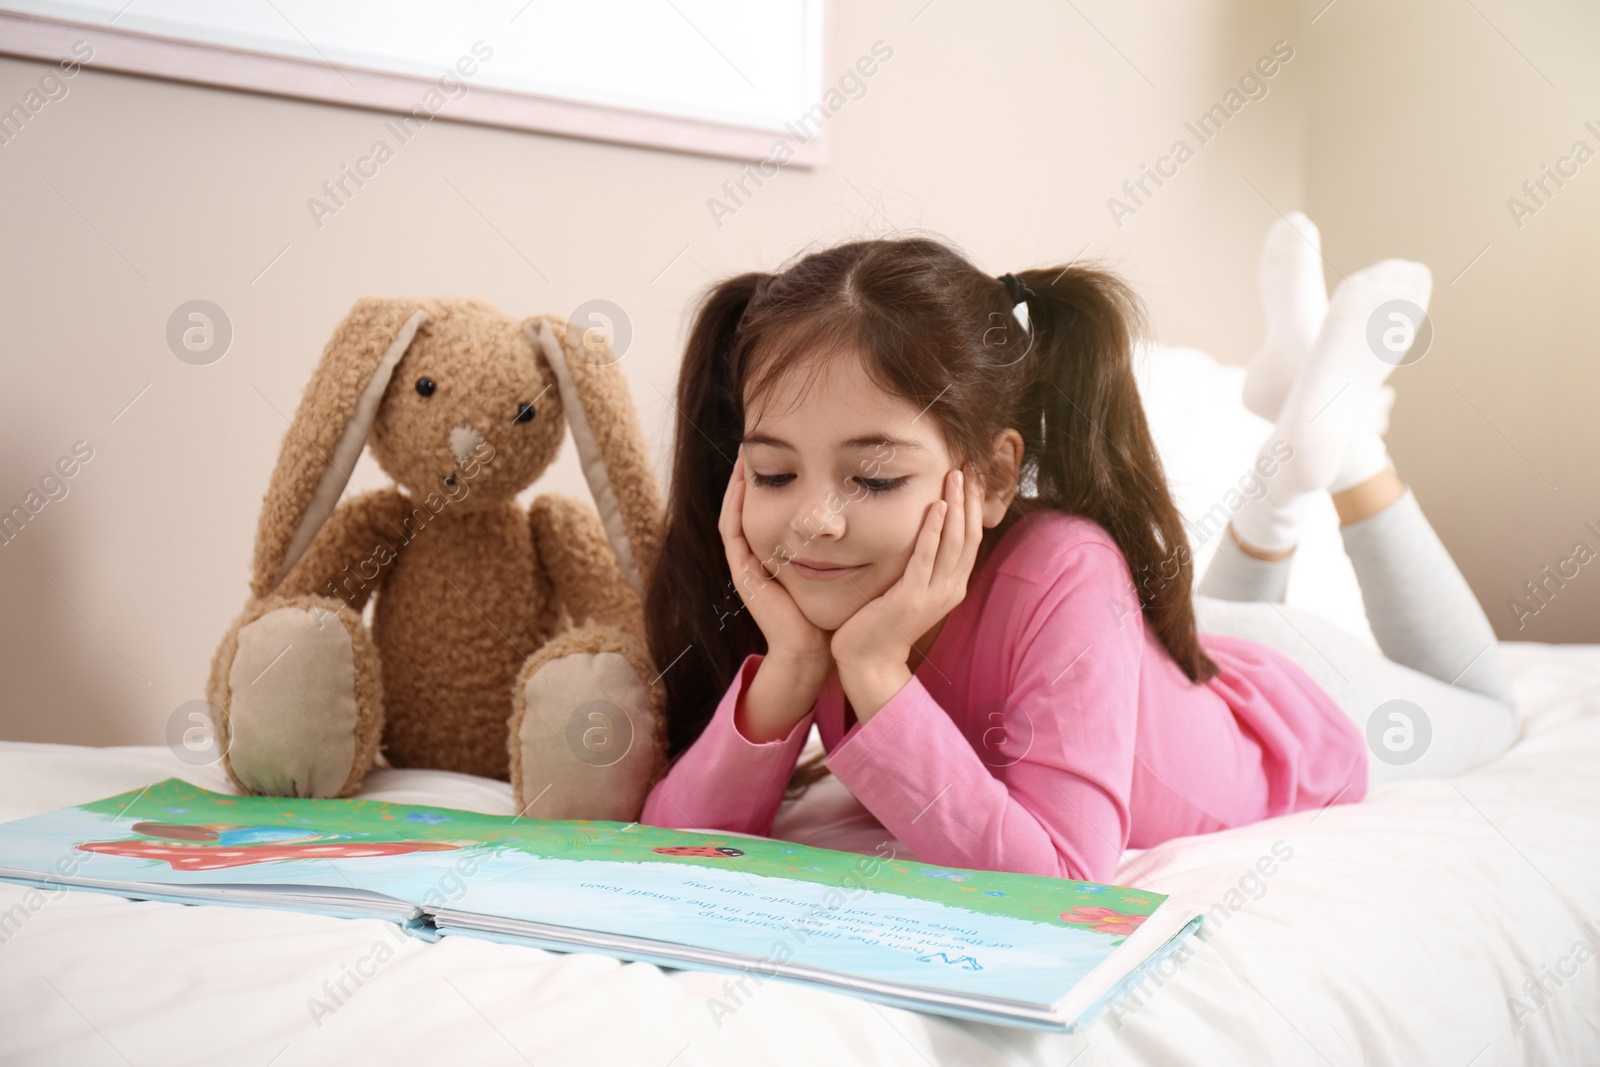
(1272, 522)
(1293, 301)
(1366, 454)
(1332, 402)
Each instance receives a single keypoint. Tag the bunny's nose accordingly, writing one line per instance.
(464, 441)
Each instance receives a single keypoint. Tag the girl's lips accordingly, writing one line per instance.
(825, 574)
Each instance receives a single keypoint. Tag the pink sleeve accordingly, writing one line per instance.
(725, 781)
(1047, 789)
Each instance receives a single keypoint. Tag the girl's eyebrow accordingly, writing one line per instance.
(870, 441)
(880, 440)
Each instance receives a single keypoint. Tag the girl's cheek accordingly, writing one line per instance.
(756, 537)
(758, 532)
(911, 519)
(885, 534)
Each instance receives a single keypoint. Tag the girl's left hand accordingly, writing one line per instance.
(880, 633)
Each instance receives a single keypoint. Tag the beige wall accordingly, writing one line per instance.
(1003, 127)
(1425, 118)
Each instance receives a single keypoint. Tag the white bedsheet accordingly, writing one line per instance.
(1396, 931)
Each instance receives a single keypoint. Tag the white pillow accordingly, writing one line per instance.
(1208, 440)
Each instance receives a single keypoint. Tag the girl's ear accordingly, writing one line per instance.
(330, 429)
(1008, 453)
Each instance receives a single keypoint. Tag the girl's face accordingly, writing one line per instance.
(842, 479)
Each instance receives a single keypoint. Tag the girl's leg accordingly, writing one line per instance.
(1422, 612)
(1437, 701)
(1317, 379)
(1235, 574)
(1294, 302)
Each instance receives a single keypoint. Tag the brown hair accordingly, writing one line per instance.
(935, 330)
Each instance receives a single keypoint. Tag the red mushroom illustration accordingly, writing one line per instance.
(1104, 920)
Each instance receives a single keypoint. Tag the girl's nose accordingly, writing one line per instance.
(823, 518)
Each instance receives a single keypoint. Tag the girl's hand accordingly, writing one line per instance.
(790, 635)
(797, 662)
(878, 637)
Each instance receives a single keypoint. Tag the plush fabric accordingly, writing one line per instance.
(475, 599)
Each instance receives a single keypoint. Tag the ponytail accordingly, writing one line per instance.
(1092, 454)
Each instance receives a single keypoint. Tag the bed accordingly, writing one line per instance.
(1452, 922)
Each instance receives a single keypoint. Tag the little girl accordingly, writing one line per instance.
(920, 506)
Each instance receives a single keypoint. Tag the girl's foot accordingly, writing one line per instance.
(1294, 301)
(1365, 453)
(1333, 417)
(1337, 392)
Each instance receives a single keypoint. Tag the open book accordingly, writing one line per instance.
(1015, 949)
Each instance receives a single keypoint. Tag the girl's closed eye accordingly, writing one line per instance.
(882, 485)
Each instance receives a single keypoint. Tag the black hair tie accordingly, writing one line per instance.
(1017, 288)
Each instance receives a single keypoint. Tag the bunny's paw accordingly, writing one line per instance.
(293, 713)
(584, 742)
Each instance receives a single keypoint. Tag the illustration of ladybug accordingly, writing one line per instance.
(697, 850)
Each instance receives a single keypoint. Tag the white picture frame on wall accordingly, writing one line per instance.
(710, 77)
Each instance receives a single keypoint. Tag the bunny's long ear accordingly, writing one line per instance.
(605, 428)
(329, 431)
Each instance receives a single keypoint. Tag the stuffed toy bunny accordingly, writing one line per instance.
(504, 642)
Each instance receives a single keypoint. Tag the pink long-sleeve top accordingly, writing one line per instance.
(1046, 730)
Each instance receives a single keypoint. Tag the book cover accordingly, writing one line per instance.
(995, 946)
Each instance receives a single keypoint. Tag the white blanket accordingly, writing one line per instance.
(1399, 930)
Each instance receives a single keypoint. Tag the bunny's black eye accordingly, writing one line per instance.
(525, 413)
(425, 386)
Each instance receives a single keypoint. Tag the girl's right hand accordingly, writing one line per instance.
(799, 655)
(790, 635)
